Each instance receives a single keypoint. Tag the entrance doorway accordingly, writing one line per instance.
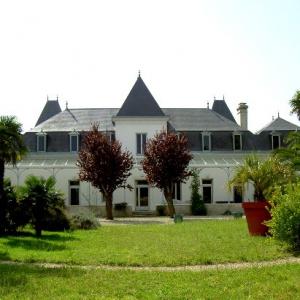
(142, 195)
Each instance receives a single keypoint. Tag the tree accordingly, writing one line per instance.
(12, 148)
(165, 163)
(40, 201)
(263, 174)
(295, 103)
(103, 163)
(292, 151)
(198, 206)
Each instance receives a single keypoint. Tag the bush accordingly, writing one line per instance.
(285, 211)
(121, 206)
(56, 220)
(198, 207)
(42, 203)
(15, 215)
(85, 219)
(161, 210)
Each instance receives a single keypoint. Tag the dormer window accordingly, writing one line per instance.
(41, 141)
(237, 141)
(206, 141)
(276, 143)
(74, 141)
(141, 139)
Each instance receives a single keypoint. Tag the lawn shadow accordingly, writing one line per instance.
(34, 244)
(4, 256)
(46, 236)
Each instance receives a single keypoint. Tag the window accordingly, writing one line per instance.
(74, 142)
(237, 194)
(41, 142)
(206, 141)
(237, 141)
(141, 139)
(176, 195)
(207, 190)
(74, 192)
(275, 141)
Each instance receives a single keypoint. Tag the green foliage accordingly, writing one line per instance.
(161, 210)
(295, 103)
(14, 218)
(291, 153)
(198, 207)
(121, 206)
(41, 202)
(85, 219)
(285, 211)
(12, 148)
(263, 174)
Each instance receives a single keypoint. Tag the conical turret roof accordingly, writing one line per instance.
(140, 102)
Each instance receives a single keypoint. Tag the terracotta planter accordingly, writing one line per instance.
(256, 214)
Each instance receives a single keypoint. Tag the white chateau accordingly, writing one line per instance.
(217, 142)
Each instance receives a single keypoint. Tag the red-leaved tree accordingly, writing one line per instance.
(103, 163)
(165, 163)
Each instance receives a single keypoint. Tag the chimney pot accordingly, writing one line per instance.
(243, 112)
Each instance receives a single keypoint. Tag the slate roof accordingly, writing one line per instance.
(51, 108)
(199, 119)
(221, 108)
(182, 119)
(140, 102)
(279, 124)
(79, 119)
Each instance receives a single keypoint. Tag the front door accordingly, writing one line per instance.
(142, 197)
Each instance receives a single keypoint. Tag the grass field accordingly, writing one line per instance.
(189, 243)
(26, 282)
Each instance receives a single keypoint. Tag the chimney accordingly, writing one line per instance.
(243, 111)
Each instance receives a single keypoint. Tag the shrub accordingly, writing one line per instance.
(285, 211)
(56, 220)
(161, 210)
(15, 215)
(84, 219)
(198, 207)
(41, 202)
(121, 206)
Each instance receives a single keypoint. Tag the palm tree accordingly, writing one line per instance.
(12, 148)
(263, 174)
(295, 104)
(292, 151)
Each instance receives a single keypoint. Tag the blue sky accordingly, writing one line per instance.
(89, 53)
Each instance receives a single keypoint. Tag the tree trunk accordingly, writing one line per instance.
(2, 200)
(109, 206)
(171, 208)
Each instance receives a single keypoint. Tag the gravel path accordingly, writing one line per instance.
(195, 268)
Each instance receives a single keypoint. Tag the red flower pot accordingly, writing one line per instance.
(256, 214)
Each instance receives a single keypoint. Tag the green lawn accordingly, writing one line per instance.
(25, 282)
(199, 242)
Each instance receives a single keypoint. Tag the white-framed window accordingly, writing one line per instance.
(141, 140)
(74, 192)
(41, 142)
(276, 141)
(74, 141)
(237, 141)
(176, 195)
(207, 190)
(206, 141)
